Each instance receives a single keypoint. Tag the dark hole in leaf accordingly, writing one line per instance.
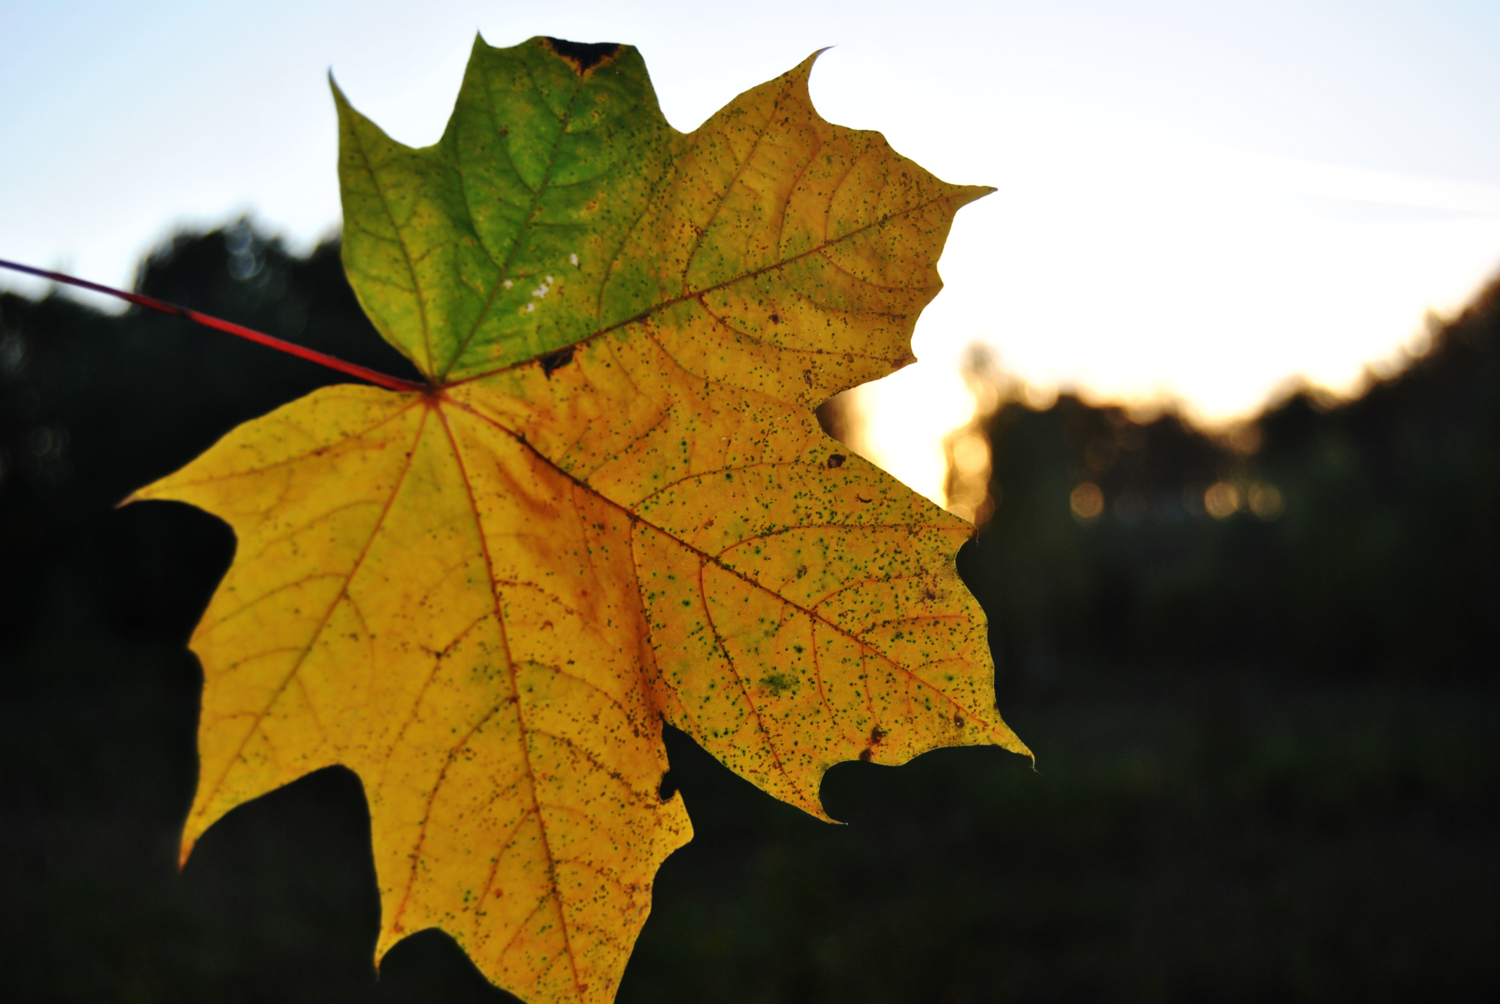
(556, 360)
(583, 55)
(668, 787)
(836, 460)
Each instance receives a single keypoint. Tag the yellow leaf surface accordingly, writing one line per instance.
(611, 506)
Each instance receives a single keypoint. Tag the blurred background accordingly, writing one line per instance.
(1218, 378)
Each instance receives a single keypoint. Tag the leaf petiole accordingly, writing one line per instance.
(229, 327)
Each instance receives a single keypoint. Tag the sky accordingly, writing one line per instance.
(1196, 202)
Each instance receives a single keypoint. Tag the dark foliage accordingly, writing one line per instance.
(1235, 828)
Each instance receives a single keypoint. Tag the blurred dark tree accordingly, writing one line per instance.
(1389, 553)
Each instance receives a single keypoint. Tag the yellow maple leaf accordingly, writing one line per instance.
(611, 505)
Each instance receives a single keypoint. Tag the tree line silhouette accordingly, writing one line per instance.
(1343, 537)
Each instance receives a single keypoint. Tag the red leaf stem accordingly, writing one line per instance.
(280, 345)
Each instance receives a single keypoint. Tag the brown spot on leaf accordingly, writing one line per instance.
(554, 361)
(865, 754)
(836, 460)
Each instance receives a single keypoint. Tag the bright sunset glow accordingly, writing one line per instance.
(1200, 277)
(1193, 204)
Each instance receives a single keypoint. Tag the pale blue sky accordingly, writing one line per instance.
(1196, 199)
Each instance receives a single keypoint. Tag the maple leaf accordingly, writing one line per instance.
(611, 505)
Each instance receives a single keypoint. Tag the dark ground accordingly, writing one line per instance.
(1210, 820)
(1220, 836)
